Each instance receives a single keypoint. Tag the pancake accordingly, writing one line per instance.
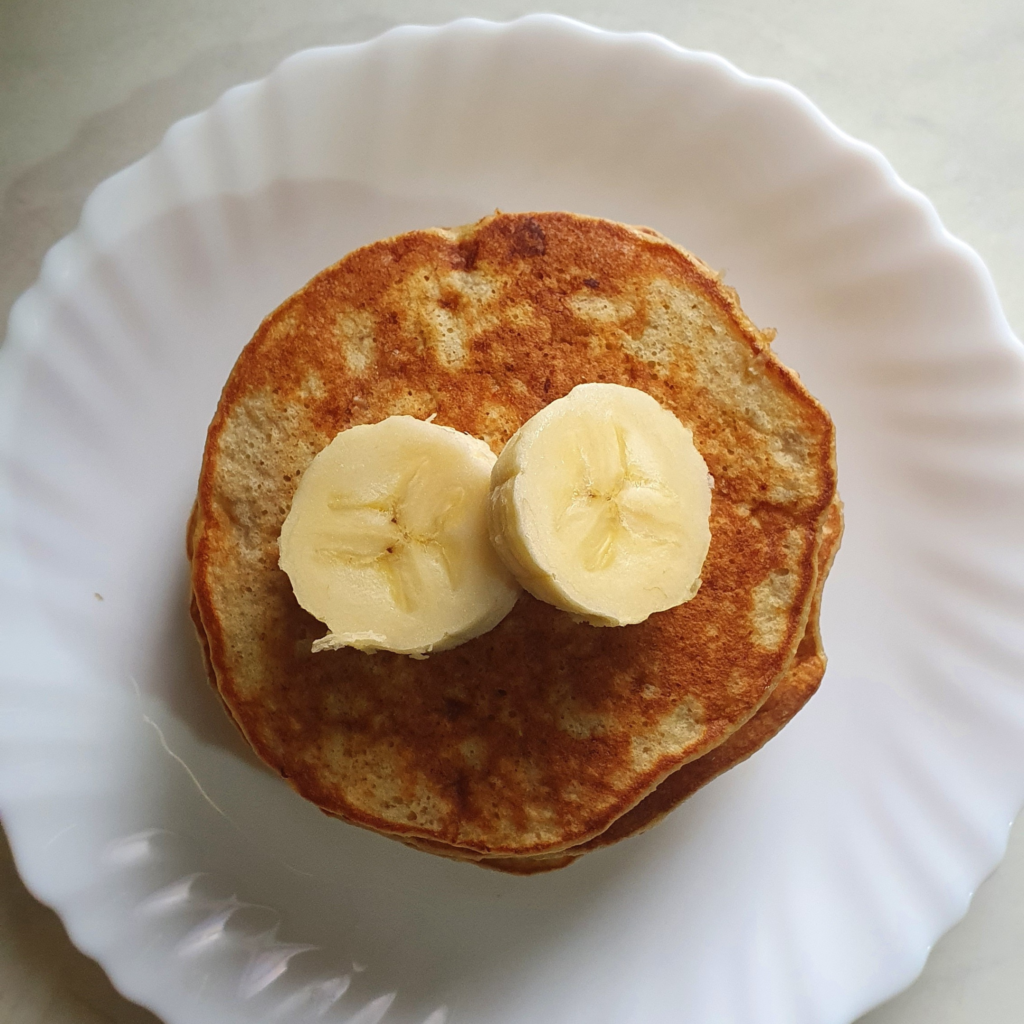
(793, 691)
(538, 735)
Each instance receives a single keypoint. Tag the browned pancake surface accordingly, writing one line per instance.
(537, 735)
(797, 686)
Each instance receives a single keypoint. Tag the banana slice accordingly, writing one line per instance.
(599, 505)
(386, 540)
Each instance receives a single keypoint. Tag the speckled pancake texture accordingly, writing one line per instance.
(538, 735)
(797, 685)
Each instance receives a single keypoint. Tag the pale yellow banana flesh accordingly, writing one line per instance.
(600, 505)
(386, 540)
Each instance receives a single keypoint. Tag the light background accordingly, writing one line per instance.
(87, 86)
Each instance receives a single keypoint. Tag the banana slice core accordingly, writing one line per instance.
(386, 539)
(600, 505)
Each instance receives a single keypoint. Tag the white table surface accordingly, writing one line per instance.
(87, 86)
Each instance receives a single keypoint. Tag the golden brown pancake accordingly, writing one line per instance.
(538, 735)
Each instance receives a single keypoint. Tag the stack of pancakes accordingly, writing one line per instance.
(545, 738)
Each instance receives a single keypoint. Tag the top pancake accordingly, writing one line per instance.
(539, 734)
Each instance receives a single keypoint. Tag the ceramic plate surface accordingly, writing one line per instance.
(804, 886)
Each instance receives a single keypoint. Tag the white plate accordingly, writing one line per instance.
(804, 886)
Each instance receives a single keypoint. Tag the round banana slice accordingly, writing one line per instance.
(599, 505)
(386, 540)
